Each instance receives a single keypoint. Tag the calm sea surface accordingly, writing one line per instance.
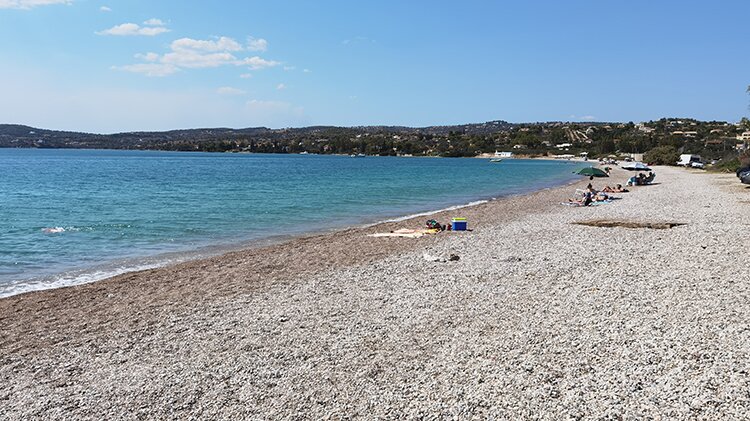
(73, 216)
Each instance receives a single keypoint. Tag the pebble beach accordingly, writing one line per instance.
(539, 317)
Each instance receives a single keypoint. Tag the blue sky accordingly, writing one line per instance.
(109, 66)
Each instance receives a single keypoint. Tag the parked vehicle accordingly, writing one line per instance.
(744, 175)
(687, 160)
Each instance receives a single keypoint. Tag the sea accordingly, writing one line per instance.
(74, 216)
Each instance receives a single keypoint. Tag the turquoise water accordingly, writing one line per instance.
(72, 216)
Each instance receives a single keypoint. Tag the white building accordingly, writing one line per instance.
(645, 129)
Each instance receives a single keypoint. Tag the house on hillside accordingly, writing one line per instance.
(644, 129)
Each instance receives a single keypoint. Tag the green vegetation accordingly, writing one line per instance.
(662, 155)
(661, 139)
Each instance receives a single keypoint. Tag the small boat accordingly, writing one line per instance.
(359, 155)
(496, 159)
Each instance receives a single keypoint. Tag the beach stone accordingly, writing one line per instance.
(541, 319)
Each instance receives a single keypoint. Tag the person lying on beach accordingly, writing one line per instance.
(601, 197)
(616, 189)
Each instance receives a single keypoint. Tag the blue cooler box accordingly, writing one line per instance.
(458, 224)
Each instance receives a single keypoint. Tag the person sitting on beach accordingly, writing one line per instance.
(588, 197)
(585, 200)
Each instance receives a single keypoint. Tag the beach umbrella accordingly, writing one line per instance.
(591, 172)
(636, 166)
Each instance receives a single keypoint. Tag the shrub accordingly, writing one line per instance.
(662, 155)
(726, 165)
(745, 159)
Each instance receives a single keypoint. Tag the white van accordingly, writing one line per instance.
(687, 160)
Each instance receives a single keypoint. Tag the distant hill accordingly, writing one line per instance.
(715, 140)
(19, 136)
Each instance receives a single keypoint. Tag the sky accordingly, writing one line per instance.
(130, 65)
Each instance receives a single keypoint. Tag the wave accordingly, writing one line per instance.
(432, 212)
(100, 227)
(74, 278)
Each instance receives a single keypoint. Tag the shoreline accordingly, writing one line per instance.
(118, 267)
(475, 212)
(539, 317)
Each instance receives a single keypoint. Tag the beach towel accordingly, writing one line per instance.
(581, 205)
(406, 233)
(397, 234)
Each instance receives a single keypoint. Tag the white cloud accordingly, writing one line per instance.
(101, 108)
(574, 117)
(228, 90)
(197, 59)
(288, 68)
(256, 63)
(194, 53)
(246, 75)
(257, 44)
(30, 4)
(307, 71)
(281, 86)
(154, 22)
(147, 56)
(130, 29)
(105, 9)
(221, 44)
(149, 69)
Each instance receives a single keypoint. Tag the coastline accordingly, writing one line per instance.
(539, 317)
(107, 270)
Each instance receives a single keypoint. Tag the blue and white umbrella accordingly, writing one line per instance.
(636, 166)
